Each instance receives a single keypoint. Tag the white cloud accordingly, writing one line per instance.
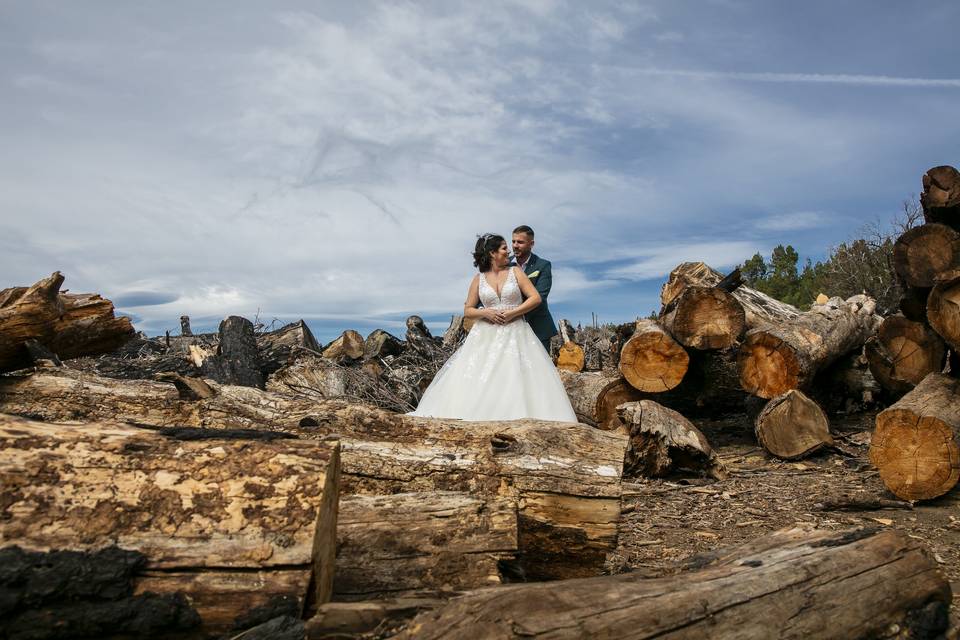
(794, 221)
(660, 261)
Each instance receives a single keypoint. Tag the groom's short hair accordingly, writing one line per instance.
(524, 229)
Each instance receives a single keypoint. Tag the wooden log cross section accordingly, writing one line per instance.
(943, 308)
(792, 425)
(595, 396)
(903, 353)
(916, 445)
(791, 584)
(651, 360)
(922, 253)
(704, 318)
(220, 524)
(778, 357)
(565, 476)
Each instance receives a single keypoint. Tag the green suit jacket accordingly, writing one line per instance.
(540, 272)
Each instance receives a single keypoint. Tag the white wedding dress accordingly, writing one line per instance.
(501, 372)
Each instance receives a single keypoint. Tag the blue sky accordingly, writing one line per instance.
(336, 163)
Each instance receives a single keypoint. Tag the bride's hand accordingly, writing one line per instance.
(494, 315)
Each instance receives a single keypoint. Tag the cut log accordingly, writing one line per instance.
(710, 388)
(279, 348)
(228, 523)
(777, 358)
(943, 309)
(311, 375)
(595, 396)
(913, 302)
(571, 357)
(651, 360)
(941, 196)
(88, 327)
(185, 329)
(922, 253)
(662, 440)
(916, 445)
(420, 340)
(846, 386)
(342, 620)
(396, 545)
(27, 314)
(903, 353)
(704, 318)
(237, 360)
(380, 344)
(759, 308)
(349, 346)
(791, 584)
(566, 476)
(792, 426)
(454, 333)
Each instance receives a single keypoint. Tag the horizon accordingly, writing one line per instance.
(336, 163)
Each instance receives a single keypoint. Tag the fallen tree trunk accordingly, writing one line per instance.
(704, 318)
(662, 440)
(941, 196)
(27, 314)
(777, 358)
(922, 253)
(913, 302)
(791, 584)
(792, 426)
(759, 308)
(916, 444)
(710, 388)
(227, 525)
(651, 360)
(311, 375)
(903, 353)
(595, 396)
(566, 476)
(943, 309)
(88, 327)
(349, 346)
(399, 544)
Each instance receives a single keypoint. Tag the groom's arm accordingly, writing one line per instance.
(545, 280)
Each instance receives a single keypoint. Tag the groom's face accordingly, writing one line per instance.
(522, 245)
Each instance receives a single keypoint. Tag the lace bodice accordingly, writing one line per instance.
(510, 295)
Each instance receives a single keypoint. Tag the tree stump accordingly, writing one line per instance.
(922, 253)
(903, 353)
(237, 360)
(791, 584)
(380, 344)
(916, 445)
(230, 523)
(792, 426)
(941, 196)
(349, 346)
(279, 348)
(704, 318)
(943, 309)
(397, 545)
(662, 440)
(651, 360)
(777, 358)
(595, 396)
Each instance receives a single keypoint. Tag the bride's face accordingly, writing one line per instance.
(501, 257)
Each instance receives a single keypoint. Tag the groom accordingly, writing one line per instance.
(540, 273)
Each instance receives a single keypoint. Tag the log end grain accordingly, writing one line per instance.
(923, 252)
(792, 426)
(768, 366)
(903, 353)
(707, 318)
(918, 457)
(652, 361)
(943, 310)
(570, 357)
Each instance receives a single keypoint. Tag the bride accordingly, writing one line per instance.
(501, 372)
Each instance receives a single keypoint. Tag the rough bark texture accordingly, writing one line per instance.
(704, 318)
(913, 302)
(662, 440)
(228, 524)
(596, 395)
(651, 360)
(916, 445)
(349, 346)
(943, 310)
(710, 388)
(380, 618)
(399, 544)
(420, 340)
(777, 358)
(237, 360)
(759, 308)
(310, 375)
(903, 353)
(792, 426)
(566, 476)
(941, 196)
(455, 332)
(279, 348)
(70, 325)
(922, 253)
(791, 584)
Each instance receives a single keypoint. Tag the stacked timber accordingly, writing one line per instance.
(903, 353)
(189, 531)
(941, 196)
(792, 426)
(595, 396)
(651, 360)
(566, 477)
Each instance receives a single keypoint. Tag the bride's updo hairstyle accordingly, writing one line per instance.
(486, 244)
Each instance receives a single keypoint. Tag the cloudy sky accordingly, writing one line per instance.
(335, 161)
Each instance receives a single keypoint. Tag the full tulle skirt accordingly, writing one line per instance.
(501, 372)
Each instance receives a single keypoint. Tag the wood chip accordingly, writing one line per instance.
(884, 521)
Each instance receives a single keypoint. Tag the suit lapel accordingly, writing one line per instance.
(528, 268)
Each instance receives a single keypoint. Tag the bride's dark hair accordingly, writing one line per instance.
(486, 244)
